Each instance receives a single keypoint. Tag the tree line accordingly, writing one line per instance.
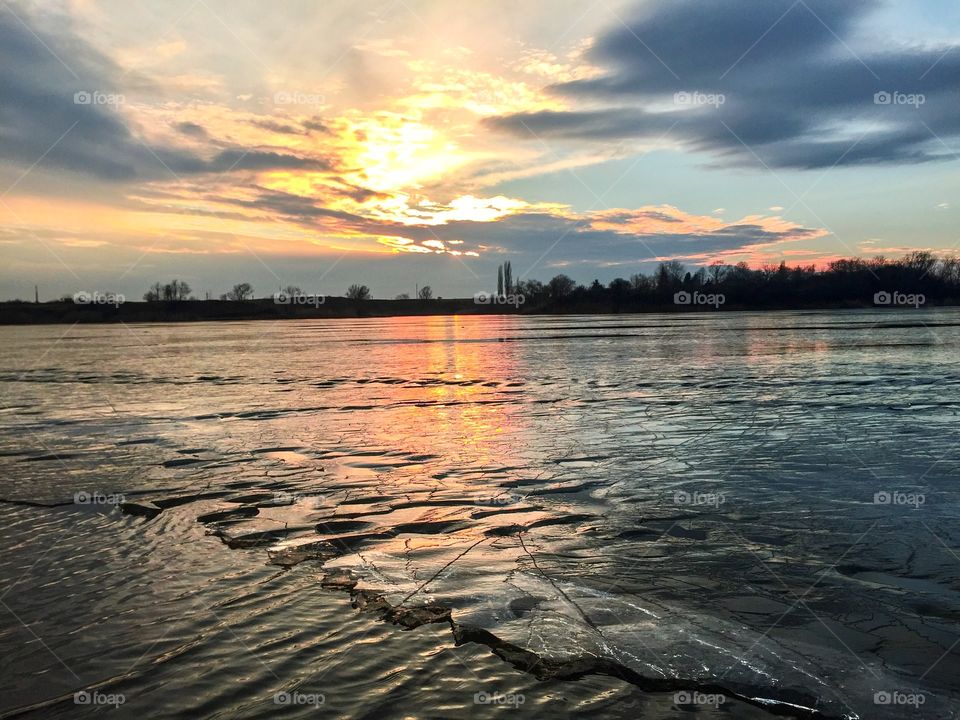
(853, 281)
(845, 281)
(177, 290)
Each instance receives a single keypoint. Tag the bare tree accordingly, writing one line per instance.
(239, 292)
(173, 290)
(669, 276)
(426, 293)
(358, 292)
(717, 272)
(154, 293)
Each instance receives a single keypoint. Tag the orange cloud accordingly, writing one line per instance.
(669, 220)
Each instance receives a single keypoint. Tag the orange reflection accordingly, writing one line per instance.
(460, 399)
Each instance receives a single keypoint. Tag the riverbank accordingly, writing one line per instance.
(69, 312)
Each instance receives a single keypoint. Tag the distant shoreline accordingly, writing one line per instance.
(67, 312)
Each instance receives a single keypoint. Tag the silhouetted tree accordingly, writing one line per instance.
(560, 287)
(240, 292)
(619, 289)
(532, 290)
(154, 294)
(846, 281)
(716, 272)
(641, 284)
(669, 278)
(176, 290)
(358, 292)
(950, 271)
(173, 290)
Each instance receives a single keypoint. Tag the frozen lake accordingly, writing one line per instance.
(657, 516)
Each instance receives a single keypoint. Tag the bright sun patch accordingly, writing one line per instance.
(390, 153)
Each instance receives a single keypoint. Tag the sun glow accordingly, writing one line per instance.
(390, 153)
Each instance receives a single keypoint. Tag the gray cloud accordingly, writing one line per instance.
(277, 127)
(237, 159)
(295, 207)
(55, 104)
(798, 89)
(317, 125)
(37, 103)
(577, 239)
(192, 129)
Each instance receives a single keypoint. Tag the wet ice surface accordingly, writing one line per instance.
(762, 505)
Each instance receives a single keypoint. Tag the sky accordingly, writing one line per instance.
(406, 143)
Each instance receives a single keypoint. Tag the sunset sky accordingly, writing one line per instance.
(410, 142)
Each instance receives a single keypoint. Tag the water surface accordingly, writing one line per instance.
(403, 517)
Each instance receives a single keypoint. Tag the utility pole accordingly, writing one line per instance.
(36, 294)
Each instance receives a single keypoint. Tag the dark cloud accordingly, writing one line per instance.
(295, 207)
(357, 193)
(277, 127)
(236, 159)
(60, 102)
(192, 129)
(39, 101)
(317, 125)
(797, 88)
(612, 235)
(574, 239)
(616, 235)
